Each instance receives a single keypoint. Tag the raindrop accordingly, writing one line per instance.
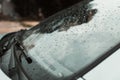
(60, 74)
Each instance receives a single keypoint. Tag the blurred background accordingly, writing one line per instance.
(21, 14)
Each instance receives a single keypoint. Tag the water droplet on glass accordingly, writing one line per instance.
(60, 74)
